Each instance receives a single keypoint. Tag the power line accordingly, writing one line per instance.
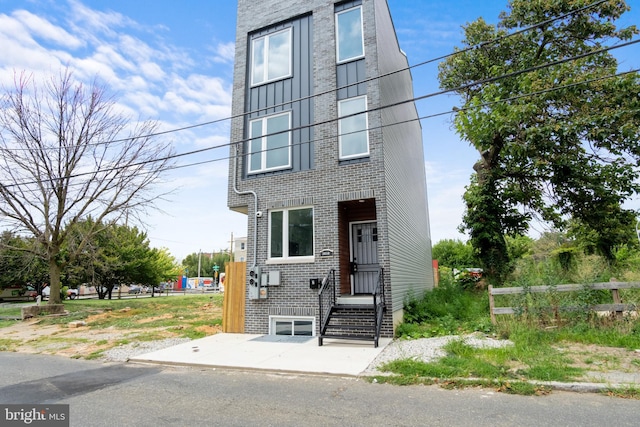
(486, 104)
(433, 94)
(329, 91)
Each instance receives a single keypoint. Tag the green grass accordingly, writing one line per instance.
(141, 319)
(535, 355)
(628, 392)
(9, 311)
(132, 313)
(8, 344)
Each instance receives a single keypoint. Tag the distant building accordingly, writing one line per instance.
(239, 249)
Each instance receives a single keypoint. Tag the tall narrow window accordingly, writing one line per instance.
(291, 233)
(271, 57)
(269, 147)
(354, 138)
(350, 42)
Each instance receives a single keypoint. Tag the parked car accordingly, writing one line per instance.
(71, 293)
(15, 293)
(134, 289)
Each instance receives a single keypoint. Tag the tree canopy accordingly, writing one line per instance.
(206, 261)
(554, 120)
(67, 153)
(116, 255)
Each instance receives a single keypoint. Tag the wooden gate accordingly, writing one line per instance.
(234, 295)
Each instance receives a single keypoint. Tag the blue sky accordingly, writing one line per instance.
(172, 62)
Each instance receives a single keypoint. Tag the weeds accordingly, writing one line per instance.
(541, 334)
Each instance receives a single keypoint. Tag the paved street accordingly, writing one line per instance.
(102, 394)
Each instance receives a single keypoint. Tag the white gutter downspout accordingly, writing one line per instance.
(255, 199)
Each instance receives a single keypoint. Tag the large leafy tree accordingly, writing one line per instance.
(205, 261)
(116, 255)
(66, 153)
(454, 254)
(18, 264)
(556, 142)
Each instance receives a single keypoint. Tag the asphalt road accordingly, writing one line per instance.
(115, 394)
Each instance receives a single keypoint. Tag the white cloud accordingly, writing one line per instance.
(224, 52)
(91, 24)
(46, 30)
(150, 79)
(446, 207)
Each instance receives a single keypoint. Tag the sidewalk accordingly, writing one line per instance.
(271, 353)
(287, 354)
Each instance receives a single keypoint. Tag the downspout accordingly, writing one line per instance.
(255, 201)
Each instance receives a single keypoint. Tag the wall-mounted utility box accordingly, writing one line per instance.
(274, 278)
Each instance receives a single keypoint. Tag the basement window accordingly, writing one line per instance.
(292, 326)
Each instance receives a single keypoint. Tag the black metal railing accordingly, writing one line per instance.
(326, 300)
(379, 305)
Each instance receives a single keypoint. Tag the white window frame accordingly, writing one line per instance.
(266, 59)
(292, 319)
(264, 150)
(286, 258)
(338, 60)
(340, 130)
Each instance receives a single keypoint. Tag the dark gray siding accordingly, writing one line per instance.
(274, 97)
(348, 74)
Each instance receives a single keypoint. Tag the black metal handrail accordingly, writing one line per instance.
(326, 300)
(379, 304)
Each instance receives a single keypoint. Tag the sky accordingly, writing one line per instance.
(172, 62)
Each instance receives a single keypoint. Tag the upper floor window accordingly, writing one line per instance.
(291, 234)
(353, 136)
(269, 146)
(271, 57)
(350, 42)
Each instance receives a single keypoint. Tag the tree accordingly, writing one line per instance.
(557, 142)
(454, 254)
(66, 152)
(206, 261)
(18, 266)
(116, 255)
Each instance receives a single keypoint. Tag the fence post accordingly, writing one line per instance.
(617, 300)
(491, 304)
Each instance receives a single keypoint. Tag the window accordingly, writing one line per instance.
(291, 234)
(353, 135)
(297, 326)
(350, 43)
(269, 147)
(271, 57)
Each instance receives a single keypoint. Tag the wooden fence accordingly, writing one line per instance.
(234, 295)
(617, 307)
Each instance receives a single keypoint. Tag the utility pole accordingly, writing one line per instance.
(199, 263)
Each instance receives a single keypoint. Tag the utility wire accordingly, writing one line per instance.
(433, 94)
(486, 104)
(330, 91)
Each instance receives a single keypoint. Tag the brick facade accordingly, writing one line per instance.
(329, 185)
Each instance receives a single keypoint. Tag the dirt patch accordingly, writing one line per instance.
(601, 359)
(85, 341)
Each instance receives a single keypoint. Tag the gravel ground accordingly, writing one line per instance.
(427, 349)
(122, 353)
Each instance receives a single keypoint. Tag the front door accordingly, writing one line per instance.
(364, 257)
